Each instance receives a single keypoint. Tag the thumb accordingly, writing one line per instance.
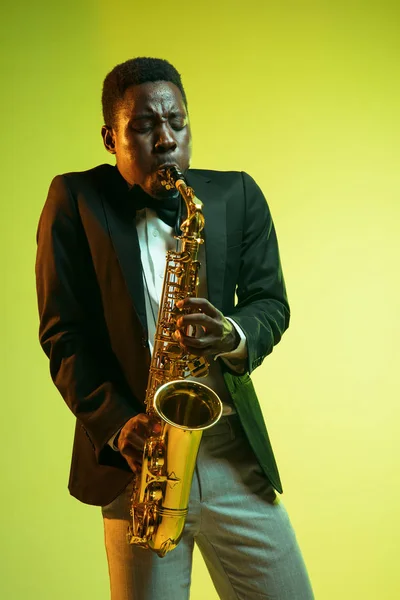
(157, 427)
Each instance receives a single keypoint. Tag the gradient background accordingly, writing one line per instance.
(305, 97)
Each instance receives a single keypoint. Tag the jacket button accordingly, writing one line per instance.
(144, 342)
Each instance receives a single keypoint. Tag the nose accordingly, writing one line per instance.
(165, 141)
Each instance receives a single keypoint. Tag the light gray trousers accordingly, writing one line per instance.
(235, 518)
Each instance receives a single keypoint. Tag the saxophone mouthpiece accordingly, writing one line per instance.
(169, 175)
(175, 173)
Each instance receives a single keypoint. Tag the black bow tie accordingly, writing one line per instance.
(167, 210)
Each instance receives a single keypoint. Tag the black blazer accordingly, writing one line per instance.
(92, 308)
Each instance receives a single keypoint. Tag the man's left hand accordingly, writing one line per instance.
(214, 333)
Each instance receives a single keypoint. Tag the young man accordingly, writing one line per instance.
(102, 240)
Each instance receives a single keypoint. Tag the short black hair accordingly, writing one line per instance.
(134, 72)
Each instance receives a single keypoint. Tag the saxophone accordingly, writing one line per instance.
(183, 408)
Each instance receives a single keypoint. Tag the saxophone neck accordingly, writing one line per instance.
(193, 225)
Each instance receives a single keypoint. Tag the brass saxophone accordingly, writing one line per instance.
(184, 408)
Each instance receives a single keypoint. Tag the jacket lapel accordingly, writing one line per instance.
(214, 211)
(120, 218)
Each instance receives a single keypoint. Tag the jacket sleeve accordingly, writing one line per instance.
(82, 364)
(262, 310)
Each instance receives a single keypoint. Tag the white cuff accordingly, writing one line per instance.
(111, 441)
(238, 354)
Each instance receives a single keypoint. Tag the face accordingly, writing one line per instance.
(151, 130)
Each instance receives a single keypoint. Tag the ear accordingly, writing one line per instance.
(107, 133)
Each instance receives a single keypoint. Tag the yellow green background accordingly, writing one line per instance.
(305, 97)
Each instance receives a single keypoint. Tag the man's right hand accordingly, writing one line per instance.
(133, 436)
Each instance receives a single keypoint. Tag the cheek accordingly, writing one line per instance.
(133, 152)
(186, 146)
(122, 147)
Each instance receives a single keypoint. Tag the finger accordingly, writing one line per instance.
(200, 352)
(132, 439)
(199, 320)
(199, 304)
(132, 453)
(156, 428)
(186, 340)
(134, 466)
(188, 348)
(134, 463)
(135, 424)
(144, 425)
(139, 428)
(201, 342)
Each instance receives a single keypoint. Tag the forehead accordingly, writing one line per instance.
(153, 97)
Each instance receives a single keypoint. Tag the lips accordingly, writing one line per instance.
(165, 165)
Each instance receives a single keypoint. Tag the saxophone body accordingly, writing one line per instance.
(184, 408)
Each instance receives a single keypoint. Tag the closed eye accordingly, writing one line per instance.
(142, 124)
(178, 123)
(145, 124)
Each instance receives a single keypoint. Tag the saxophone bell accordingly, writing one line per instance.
(160, 501)
(188, 405)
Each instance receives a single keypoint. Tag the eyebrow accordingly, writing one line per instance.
(175, 113)
(142, 116)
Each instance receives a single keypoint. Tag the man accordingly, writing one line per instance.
(101, 246)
